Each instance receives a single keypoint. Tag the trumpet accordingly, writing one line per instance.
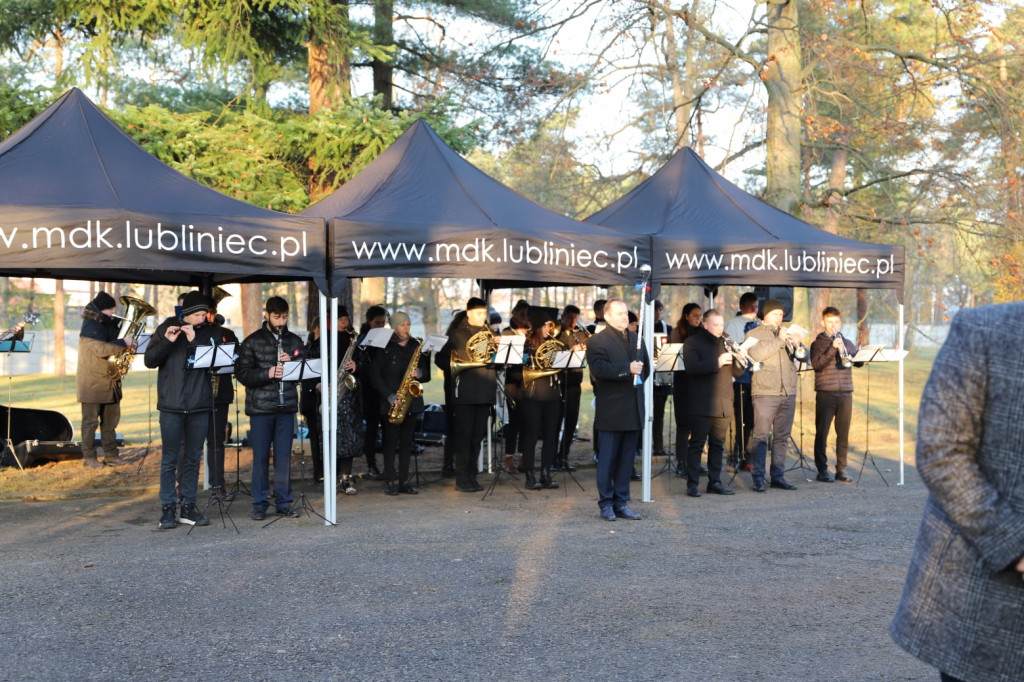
(740, 355)
(796, 351)
(844, 355)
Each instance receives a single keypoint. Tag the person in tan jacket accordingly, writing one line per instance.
(98, 391)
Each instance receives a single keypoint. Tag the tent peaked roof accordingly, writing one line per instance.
(421, 210)
(709, 231)
(80, 199)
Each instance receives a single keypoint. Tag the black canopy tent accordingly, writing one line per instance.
(421, 210)
(79, 199)
(707, 231)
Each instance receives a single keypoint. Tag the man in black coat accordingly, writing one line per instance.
(185, 401)
(709, 369)
(473, 394)
(271, 405)
(614, 363)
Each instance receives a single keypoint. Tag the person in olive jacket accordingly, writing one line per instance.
(185, 401)
(387, 368)
(98, 391)
(271, 405)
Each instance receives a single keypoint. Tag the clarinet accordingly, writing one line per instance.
(280, 384)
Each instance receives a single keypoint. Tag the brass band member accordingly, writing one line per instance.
(98, 391)
(271, 405)
(518, 325)
(662, 384)
(540, 398)
(443, 361)
(376, 318)
(393, 370)
(743, 405)
(222, 400)
(184, 399)
(687, 325)
(473, 393)
(833, 390)
(573, 337)
(709, 370)
(774, 392)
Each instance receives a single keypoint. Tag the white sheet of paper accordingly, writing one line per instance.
(378, 338)
(203, 359)
(510, 350)
(293, 369)
(143, 343)
(866, 353)
(434, 342)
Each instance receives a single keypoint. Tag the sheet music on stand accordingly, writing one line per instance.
(434, 342)
(220, 357)
(510, 350)
(670, 358)
(297, 370)
(143, 342)
(569, 359)
(378, 338)
(869, 353)
(18, 346)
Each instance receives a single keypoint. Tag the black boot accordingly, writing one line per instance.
(463, 484)
(531, 481)
(546, 481)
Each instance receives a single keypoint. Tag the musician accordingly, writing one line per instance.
(443, 360)
(309, 403)
(349, 433)
(271, 405)
(185, 401)
(662, 383)
(598, 323)
(388, 370)
(376, 318)
(774, 395)
(619, 407)
(833, 390)
(98, 391)
(687, 325)
(710, 370)
(539, 404)
(743, 405)
(573, 337)
(473, 394)
(518, 325)
(222, 400)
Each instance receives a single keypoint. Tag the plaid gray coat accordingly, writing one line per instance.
(962, 609)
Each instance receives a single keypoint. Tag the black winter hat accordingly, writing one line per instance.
(104, 301)
(193, 303)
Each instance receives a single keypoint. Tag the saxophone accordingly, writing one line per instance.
(408, 391)
(347, 380)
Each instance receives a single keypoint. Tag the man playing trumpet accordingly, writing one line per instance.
(833, 391)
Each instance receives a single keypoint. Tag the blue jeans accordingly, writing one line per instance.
(773, 418)
(179, 430)
(616, 450)
(266, 430)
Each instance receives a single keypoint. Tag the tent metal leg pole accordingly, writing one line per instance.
(648, 424)
(900, 344)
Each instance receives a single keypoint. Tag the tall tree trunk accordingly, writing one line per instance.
(863, 330)
(837, 179)
(58, 328)
(252, 308)
(330, 85)
(383, 34)
(782, 78)
(682, 84)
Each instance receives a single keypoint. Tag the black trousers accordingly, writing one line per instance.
(371, 415)
(316, 443)
(540, 420)
(829, 406)
(570, 417)
(682, 423)
(512, 432)
(743, 411)
(469, 429)
(398, 438)
(661, 394)
(711, 430)
(215, 437)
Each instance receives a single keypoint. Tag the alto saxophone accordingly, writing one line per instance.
(408, 391)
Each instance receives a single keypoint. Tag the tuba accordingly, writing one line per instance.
(132, 323)
(408, 391)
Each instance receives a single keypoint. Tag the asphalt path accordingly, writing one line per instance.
(449, 586)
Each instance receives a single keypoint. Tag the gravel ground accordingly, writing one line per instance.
(447, 586)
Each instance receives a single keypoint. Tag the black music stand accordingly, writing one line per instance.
(802, 462)
(11, 346)
(511, 351)
(670, 359)
(296, 371)
(566, 360)
(867, 355)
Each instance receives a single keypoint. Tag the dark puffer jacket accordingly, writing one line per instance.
(257, 355)
(829, 373)
(178, 388)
